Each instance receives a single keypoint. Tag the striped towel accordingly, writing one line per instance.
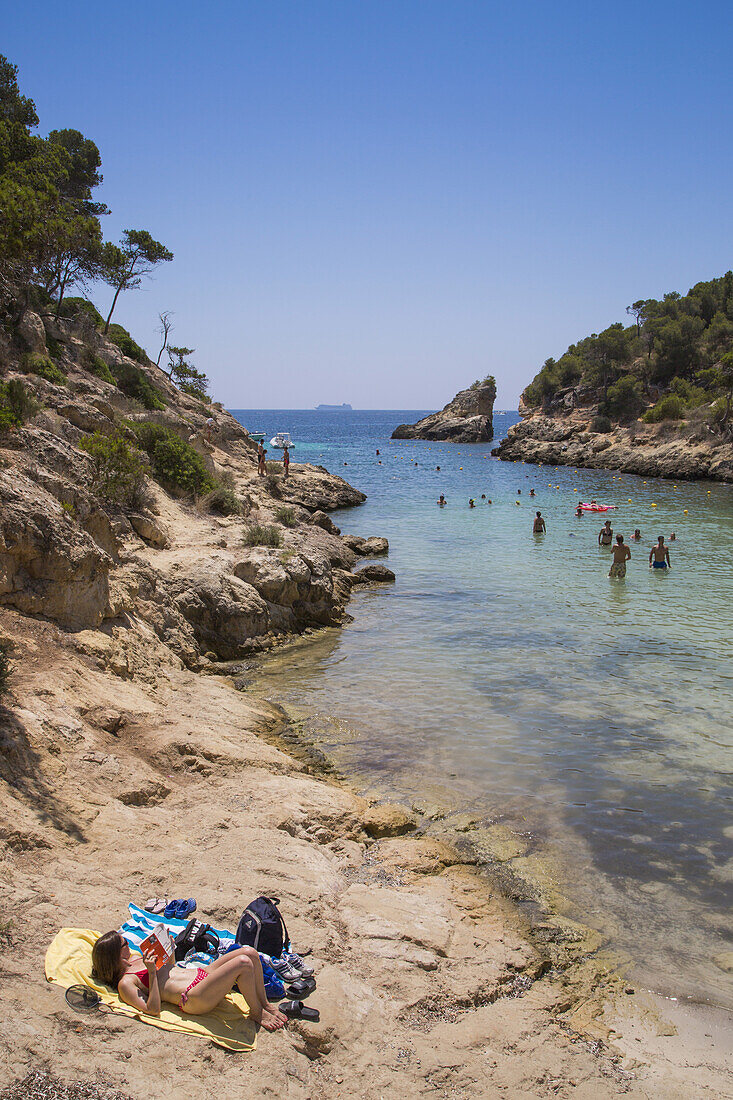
(142, 923)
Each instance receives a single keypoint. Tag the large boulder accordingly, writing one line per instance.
(468, 418)
(320, 519)
(32, 332)
(317, 490)
(149, 530)
(226, 613)
(374, 572)
(48, 565)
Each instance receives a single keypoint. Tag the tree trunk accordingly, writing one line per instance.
(109, 315)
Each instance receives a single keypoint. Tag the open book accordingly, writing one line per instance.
(160, 944)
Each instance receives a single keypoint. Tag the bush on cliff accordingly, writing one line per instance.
(224, 502)
(17, 405)
(79, 307)
(176, 465)
(669, 407)
(600, 424)
(122, 339)
(97, 366)
(44, 367)
(135, 383)
(119, 468)
(624, 399)
(257, 534)
(286, 516)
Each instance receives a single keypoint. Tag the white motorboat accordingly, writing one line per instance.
(281, 440)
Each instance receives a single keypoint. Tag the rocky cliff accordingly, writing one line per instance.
(77, 551)
(468, 418)
(683, 450)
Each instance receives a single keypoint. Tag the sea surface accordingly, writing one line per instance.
(505, 677)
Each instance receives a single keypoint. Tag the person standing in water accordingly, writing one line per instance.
(442, 501)
(659, 555)
(286, 462)
(539, 526)
(636, 537)
(605, 535)
(621, 555)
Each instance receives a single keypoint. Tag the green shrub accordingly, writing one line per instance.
(272, 484)
(176, 465)
(624, 399)
(119, 468)
(692, 395)
(44, 367)
(6, 668)
(669, 407)
(224, 502)
(76, 307)
(258, 535)
(286, 516)
(17, 404)
(97, 366)
(600, 424)
(55, 347)
(135, 383)
(122, 339)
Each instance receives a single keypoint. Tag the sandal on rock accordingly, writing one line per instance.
(296, 1010)
(301, 989)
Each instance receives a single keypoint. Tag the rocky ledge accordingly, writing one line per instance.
(468, 418)
(682, 450)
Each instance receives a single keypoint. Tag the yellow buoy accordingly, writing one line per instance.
(685, 511)
(460, 467)
(653, 505)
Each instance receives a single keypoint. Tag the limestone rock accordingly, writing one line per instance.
(320, 519)
(375, 572)
(86, 417)
(381, 821)
(374, 546)
(149, 530)
(31, 330)
(225, 612)
(468, 418)
(381, 916)
(48, 565)
(318, 490)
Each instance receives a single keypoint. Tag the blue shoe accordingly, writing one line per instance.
(185, 908)
(171, 909)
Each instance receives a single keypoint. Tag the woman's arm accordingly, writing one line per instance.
(132, 996)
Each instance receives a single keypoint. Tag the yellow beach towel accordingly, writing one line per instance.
(69, 962)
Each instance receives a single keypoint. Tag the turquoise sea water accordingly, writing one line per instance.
(505, 675)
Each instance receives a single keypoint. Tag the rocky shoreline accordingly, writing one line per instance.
(134, 761)
(681, 450)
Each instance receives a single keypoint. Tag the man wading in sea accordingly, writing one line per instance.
(659, 555)
(621, 555)
(605, 535)
(539, 527)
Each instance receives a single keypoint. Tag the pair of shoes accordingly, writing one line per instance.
(284, 970)
(179, 909)
(297, 963)
(296, 1010)
(155, 905)
(301, 989)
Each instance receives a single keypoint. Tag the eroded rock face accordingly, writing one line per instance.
(226, 613)
(320, 519)
(32, 332)
(374, 572)
(48, 565)
(468, 418)
(318, 490)
(673, 450)
(149, 530)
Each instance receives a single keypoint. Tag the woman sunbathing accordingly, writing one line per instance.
(193, 991)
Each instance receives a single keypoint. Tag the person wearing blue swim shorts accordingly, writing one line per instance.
(659, 555)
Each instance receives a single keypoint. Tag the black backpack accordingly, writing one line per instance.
(263, 927)
(196, 936)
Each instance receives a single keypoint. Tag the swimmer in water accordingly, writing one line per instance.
(519, 492)
(659, 555)
(531, 492)
(442, 500)
(579, 511)
(605, 535)
(437, 467)
(621, 555)
(471, 503)
(636, 537)
(673, 537)
(539, 526)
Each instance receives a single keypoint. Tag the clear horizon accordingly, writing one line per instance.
(397, 198)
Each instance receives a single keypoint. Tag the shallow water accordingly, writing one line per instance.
(505, 674)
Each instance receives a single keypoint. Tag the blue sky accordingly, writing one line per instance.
(377, 202)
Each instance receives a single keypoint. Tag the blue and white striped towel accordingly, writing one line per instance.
(142, 923)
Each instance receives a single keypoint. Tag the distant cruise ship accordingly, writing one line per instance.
(334, 408)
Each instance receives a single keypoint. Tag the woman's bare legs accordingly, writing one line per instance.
(242, 968)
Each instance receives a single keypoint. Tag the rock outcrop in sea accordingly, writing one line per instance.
(682, 450)
(468, 418)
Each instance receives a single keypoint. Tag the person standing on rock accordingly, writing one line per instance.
(621, 554)
(286, 461)
(605, 535)
(539, 526)
(261, 455)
